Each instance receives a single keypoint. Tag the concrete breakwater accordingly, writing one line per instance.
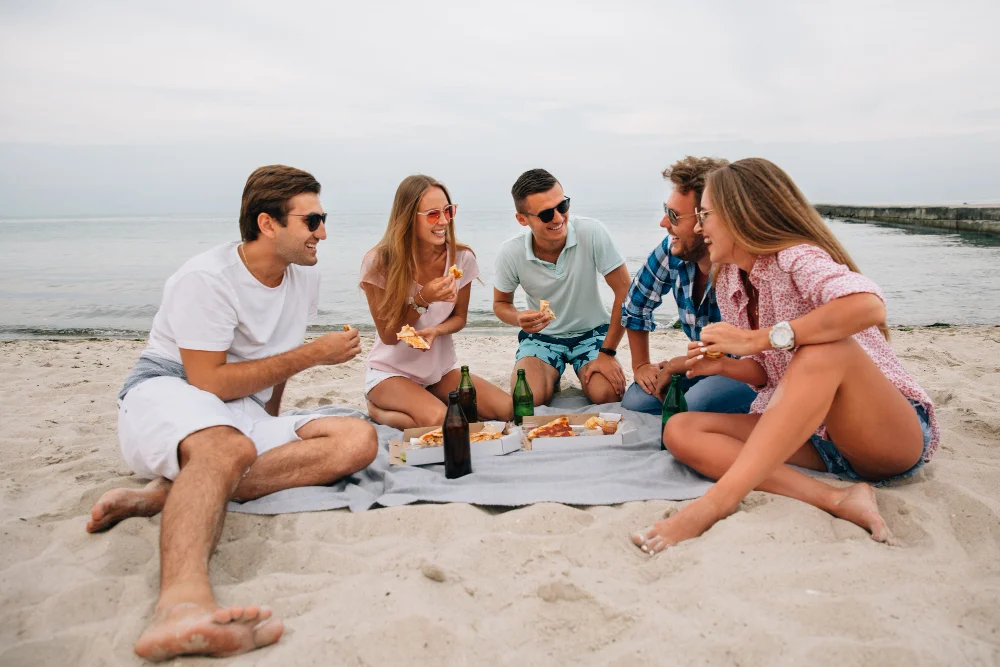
(985, 220)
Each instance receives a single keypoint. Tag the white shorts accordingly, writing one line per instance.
(373, 376)
(156, 415)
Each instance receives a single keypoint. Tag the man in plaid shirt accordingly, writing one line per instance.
(680, 263)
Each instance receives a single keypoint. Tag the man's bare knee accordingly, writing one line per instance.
(222, 445)
(364, 441)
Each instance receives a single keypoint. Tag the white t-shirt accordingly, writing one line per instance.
(213, 303)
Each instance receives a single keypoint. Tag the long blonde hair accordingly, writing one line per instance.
(395, 255)
(766, 212)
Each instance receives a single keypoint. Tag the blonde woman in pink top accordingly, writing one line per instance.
(407, 281)
(807, 331)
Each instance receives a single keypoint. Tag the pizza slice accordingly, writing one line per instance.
(432, 438)
(557, 428)
(543, 307)
(347, 327)
(409, 335)
(483, 436)
(455, 271)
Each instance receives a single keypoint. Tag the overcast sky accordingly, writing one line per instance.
(157, 108)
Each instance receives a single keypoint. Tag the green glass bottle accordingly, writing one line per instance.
(467, 396)
(674, 401)
(524, 402)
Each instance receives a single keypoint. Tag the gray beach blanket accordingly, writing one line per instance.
(640, 471)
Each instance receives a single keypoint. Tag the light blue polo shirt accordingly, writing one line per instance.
(569, 285)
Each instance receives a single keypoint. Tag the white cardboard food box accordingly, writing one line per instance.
(626, 434)
(419, 456)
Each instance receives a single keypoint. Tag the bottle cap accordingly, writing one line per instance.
(465, 369)
(453, 395)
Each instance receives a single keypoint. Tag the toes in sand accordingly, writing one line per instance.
(193, 630)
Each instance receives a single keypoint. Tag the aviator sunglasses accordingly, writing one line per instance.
(549, 213)
(313, 220)
(434, 214)
(673, 217)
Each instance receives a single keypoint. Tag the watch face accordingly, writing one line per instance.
(781, 337)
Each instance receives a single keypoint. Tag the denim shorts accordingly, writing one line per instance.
(577, 350)
(838, 465)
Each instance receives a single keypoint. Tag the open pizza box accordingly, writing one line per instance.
(624, 435)
(404, 452)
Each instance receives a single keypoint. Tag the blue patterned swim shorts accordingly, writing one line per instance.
(556, 352)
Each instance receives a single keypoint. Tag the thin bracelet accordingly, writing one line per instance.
(421, 297)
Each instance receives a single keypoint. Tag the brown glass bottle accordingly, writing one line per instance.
(457, 455)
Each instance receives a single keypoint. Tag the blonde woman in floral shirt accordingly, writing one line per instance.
(806, 330)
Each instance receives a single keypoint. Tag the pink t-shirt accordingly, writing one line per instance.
(792, 283)
(423, 367)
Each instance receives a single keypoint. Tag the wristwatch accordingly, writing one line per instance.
(417, 307)
(608, 351)
(781, 336)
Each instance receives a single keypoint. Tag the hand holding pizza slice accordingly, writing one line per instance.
(409, 335)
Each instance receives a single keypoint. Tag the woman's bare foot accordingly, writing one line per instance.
(193, 629)
(858, 506)
(686, 524)
(119, 504)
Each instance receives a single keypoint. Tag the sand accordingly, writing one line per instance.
(778, 583)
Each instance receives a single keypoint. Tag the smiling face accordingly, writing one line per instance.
(688, 245)
(427, 232)
(552, 232)
(293, 242)
(720, 241)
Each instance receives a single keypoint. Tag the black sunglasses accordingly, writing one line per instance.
(313, 220)
(674, 218)
(549, 213)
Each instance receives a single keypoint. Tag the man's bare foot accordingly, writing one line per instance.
(858, 506)
(192, 629)
(119, 504)
(688, 523)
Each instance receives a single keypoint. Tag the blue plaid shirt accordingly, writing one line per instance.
(661, 273)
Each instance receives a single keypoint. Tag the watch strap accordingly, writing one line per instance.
(608, 351)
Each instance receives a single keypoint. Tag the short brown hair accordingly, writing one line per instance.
(267, 191)
(530, 183)
(689, 174)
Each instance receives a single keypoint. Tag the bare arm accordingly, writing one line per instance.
(387, 330)
(208, 370)
(273, 406)
(833, 321)
(618, 280)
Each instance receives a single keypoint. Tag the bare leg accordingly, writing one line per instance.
(188, 620)
(402, 403)
(541, 377)
(492, 402)
(331, 448)
(710, 443)
(598, 389)
(873, 425)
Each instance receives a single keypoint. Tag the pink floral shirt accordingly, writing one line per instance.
(792, 283)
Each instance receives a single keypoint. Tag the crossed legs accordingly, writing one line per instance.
(402, 403)
(872, 423)
(217, 464)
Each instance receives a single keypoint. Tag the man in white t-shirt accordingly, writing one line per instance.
(199, 412)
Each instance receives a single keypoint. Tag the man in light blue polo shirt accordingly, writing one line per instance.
(557, 259)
